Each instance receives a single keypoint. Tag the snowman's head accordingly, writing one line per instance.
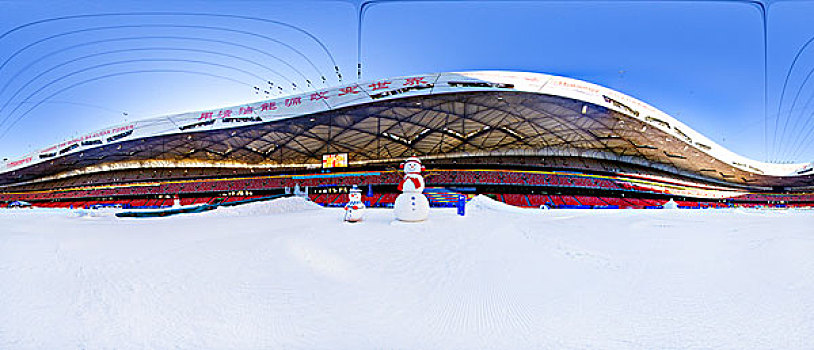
(355, 194)
(412, 166)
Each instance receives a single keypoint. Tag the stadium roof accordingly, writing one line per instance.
(433, 115)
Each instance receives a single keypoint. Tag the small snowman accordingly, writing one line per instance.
(355, 209)
(411, 204)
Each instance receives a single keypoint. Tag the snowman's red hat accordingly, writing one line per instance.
(412, 160)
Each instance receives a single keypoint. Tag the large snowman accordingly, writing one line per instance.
(355, 209)
(411, 204)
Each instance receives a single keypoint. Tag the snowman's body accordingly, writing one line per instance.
(411, 204)
(355, 209)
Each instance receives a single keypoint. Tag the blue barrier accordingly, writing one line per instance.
(566, 206)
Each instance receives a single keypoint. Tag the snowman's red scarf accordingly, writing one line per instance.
(415, 181)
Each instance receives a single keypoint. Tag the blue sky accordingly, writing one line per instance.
(703, 62)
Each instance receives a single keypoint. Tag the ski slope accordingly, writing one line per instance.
(289, 275)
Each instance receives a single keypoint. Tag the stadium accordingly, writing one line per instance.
(526, 139)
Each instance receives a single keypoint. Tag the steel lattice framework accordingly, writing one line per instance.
(489, 122)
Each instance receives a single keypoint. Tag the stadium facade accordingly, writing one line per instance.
(528, 138)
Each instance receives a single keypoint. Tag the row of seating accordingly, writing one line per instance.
(208, 186)
(535, 200)
(130, 203)
(519, 178)
(149, 174)
(203, 187)
(376, 200)
(388, 199)
(776, 197)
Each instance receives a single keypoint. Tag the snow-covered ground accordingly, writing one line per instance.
(291, 276)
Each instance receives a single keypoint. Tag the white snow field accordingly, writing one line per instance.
(287, 275)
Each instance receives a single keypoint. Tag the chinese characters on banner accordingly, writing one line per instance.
(297, 101)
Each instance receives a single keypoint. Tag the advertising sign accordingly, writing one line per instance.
(335, 160)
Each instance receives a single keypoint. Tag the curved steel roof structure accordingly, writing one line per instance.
(444, 115)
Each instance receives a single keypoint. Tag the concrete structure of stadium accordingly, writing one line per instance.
(435, 116)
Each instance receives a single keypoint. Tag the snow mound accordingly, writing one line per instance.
(92, 213)
(484, 203)
(670, 205)
(276, 206)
